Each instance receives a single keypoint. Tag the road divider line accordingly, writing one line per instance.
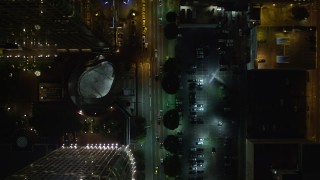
(150, 117)
(150, 101)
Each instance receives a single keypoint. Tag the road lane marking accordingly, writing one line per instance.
(150, 101)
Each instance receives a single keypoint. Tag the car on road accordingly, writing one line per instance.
(143, 39)
(193, 149)
(157, 138)
(261, 60)
(155, 53)
(156, 77)
(213, 150)
(156, 170)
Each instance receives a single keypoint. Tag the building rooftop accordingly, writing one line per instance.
(94, 161)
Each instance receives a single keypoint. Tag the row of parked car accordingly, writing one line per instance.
(196, 159)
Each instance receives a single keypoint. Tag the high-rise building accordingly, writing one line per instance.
(94, 161)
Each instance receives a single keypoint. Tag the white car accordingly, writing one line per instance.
(200, 155)
(199, 143)
(155, 53)
(143, 39)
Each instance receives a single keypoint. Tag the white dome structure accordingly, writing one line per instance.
(96, 81)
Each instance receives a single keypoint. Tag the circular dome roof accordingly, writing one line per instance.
(96, 81)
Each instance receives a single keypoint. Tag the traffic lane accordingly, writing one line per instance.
(145, 112)
(154, 63)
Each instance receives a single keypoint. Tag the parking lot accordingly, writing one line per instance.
(208, 104)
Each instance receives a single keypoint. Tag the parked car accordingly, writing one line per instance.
(200, 155)
(199, 142)
(200, 149)
(192, 80)
(200, 161)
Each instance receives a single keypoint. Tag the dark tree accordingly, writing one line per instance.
(171, 31)
(172, 166)
(171, 119)
(300, 13)
(171, 17)
(170, 84)
(170, 66)
(171, 143)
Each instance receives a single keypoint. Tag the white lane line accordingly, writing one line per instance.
(150, 101)
(150, 116)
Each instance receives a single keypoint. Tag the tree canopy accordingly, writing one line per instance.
(171, 144)
(171, 119)
(172, 166)
(170, 82)
(170, 66)
(171, 17)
